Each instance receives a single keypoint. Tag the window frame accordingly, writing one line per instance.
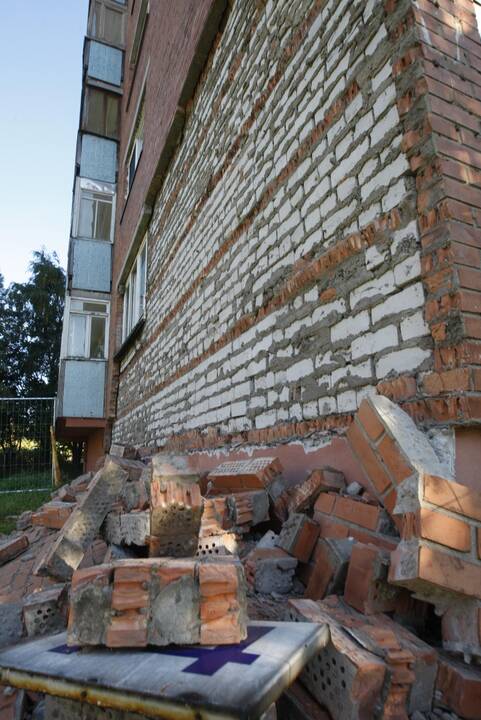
(88, 314)
(135, 147)
(83, 186)
(100, 32)
(87, 122)
(134, 303)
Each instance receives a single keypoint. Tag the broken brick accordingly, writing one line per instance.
(367, 589)
(215, 517)
(79, 531)
(329, 567)
(298, 536)
(252, 474)
(131, 528)
(132, 603)
(11, 548)
(458, 687)
(45, 612)
(175, 507)
(53, 515)
(248, 509)
(345, 678)
(437, 517)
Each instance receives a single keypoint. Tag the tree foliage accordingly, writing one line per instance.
(31, 328)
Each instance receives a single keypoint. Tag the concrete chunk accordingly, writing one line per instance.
(84, 523)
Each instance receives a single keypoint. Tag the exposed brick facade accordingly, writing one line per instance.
(315, 235)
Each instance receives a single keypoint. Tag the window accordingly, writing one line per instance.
(139, 32)
(107, 22)
(95, 215)
(87, 329)
(135, 289)
(135, 148)
(101, 113)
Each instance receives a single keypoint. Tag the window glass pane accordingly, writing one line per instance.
(76, 335)
(113, 26)
(95, 307)
(104, 218)
(76, 304)
(86, 216)
(97, 337)
(95, 27)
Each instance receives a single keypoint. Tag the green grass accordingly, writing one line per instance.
(27, 480)
(14, 504)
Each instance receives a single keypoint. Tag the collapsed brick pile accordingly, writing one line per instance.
(392, 565)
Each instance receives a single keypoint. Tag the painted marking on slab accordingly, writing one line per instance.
(207, 660)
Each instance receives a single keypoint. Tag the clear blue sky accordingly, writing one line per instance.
(40, 83)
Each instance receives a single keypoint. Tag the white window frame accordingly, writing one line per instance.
(83, 185)
(135, 152)
(133, 304)
(88, 314)
(136, 139)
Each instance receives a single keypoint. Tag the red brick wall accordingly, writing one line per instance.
(438, 76)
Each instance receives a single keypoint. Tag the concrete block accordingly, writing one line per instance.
(133, 603)
(66, 554)
(270, 570)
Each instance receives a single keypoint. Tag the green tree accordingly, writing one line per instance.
(31, 329)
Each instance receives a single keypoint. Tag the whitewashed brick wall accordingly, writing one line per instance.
(308, 358)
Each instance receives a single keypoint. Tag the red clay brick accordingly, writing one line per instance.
(371, 465)
(12, 548)
(459, 687)
(357, 512)
(366, 586)
(452, 496)
(325, 503)
(449, 572)
(445, 530)
(394, 460)
(369, 420)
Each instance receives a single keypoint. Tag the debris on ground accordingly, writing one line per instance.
(147, 551)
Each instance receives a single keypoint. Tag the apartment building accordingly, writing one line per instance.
(297, 225)
(84, 350)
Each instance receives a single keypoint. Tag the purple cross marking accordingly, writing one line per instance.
(206, 660)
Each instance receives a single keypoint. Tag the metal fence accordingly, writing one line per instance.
(25, 445)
